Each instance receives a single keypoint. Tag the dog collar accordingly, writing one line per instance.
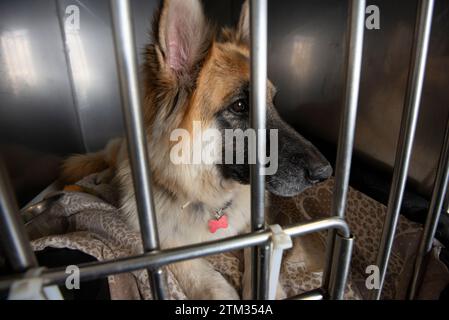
(221, 212)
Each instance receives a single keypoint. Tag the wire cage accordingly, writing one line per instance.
(340, 240)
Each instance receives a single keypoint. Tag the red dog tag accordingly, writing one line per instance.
(221, 223)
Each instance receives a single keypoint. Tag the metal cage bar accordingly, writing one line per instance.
(258, 25)
(433, 216)
(12, 230)
(340, 266)
(356, 27)
(406, 136)
(340, 245)
(154, 260)
(135, 133)
(317, 294)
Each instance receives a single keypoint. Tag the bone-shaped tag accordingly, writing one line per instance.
(221, 223)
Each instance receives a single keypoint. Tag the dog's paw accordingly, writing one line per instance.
(280, 293)
(217, 288)
(220, 294)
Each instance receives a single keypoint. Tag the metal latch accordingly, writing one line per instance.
(31, 288)
(280, 242)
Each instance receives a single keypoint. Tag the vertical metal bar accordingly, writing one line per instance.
(265, 252)
(406, 136)
(433, 216)
(446, 203)
(258, 25)
(340, 266)
(12, 231)
(356, 27)
(135, 132)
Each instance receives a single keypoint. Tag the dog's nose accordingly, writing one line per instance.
(319, 173)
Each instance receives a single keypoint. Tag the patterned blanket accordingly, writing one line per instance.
(86, 218)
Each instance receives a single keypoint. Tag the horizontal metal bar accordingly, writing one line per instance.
(135, 131)
(164, 257)
(433, 216)
(12, 231)
(258, 25)
(406, 137)
(353, 63)
(334, 223)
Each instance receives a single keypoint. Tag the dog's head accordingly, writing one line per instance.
(194, 74)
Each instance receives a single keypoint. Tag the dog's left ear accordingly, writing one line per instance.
(183, 35)
(243, 27)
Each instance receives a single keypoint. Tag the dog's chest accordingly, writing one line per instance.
(198, 223)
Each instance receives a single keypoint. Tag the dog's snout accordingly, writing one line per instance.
(300, 164)
(316, 169)
(319, 173)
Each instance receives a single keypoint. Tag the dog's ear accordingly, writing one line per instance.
(182, 35)
(243, 27)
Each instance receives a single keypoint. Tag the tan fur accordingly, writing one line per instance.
(81, 165)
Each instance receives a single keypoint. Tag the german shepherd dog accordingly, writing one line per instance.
(192, 73)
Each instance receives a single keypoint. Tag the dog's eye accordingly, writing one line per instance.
(239, 107)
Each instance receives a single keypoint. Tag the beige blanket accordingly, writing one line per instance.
(90, 222)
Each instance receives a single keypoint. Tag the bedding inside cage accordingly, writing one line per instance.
(84, 217)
